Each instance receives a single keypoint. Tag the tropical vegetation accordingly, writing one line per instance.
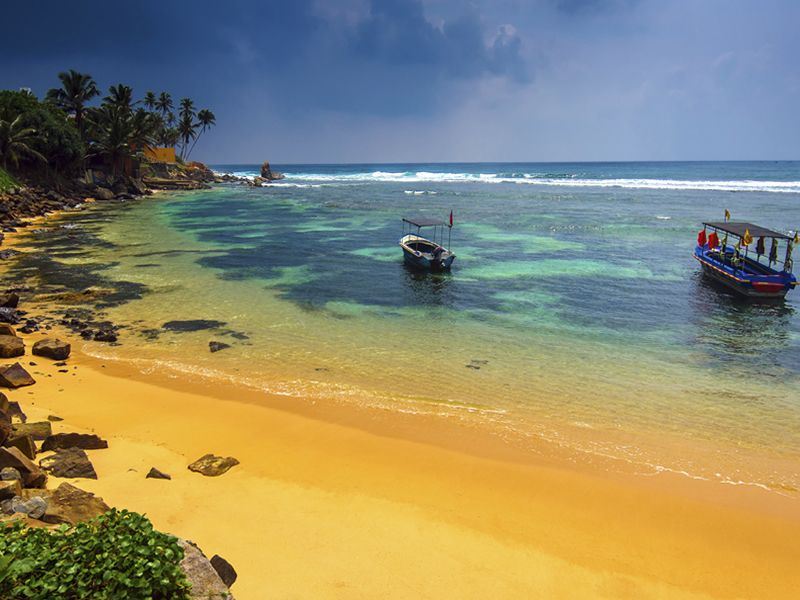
(116, 555)
(76, 126)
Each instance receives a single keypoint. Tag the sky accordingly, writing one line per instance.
(342, 81)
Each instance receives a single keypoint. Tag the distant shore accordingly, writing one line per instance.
(386, 505)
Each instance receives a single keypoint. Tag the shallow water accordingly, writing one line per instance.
(574, 312)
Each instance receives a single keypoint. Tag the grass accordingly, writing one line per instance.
(6, 180)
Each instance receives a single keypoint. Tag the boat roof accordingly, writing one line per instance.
(739, 227)
(423, 221)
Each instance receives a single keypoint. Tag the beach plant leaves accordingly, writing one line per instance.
(115, 555)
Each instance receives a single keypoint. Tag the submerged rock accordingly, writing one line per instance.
(70, 462)
(85, 441)
(192, 325)
(15, 376)
(213, 466)
(51, 348)
(217, 346)
(71, 505)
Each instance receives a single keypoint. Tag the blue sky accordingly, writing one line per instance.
(441, 80)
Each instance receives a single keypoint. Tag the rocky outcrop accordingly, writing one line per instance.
(39, 430)
(6, 329)
(9, 300)
(34, 507)
(71, 462)
(84, 441)
(224, 569)
(15, 376)
(102, 193)
(213, 466)
(32, 476)
(9, 489)
(205, 581)
(23, 443)
(268, 174)
(51, 348)
(71, 505)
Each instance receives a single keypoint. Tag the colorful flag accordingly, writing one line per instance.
(747, 239)
(727, 215)
(451, 218)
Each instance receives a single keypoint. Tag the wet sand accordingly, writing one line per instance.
(335, 503)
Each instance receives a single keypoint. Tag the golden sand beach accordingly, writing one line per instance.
(361, 509)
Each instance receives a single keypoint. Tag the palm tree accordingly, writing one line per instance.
(76, 90)
(15, 142)
(119, 133)
(187, 128)
(206, 120)
(150, 101)
(120, 95)
(164, 105)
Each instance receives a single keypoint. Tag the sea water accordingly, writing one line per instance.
(574, 313)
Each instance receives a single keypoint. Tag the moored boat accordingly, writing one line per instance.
(424, 253)
(757, 273)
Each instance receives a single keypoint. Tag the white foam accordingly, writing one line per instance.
(792, 187)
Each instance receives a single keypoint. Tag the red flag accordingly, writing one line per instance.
(701, 238)
(451, 218)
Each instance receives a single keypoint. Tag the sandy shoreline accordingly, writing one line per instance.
(321, 509)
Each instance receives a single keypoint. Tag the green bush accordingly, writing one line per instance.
(116, 555)
(6, 180)
(56, 136)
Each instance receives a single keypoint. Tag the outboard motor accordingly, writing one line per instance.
(436, 263)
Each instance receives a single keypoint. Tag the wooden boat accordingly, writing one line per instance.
(756, 273)
(423, 253)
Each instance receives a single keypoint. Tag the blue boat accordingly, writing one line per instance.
(424, 253)
(757, 273)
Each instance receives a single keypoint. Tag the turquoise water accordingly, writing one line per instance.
(574, 312)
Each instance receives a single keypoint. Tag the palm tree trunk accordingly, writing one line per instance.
(194, 142)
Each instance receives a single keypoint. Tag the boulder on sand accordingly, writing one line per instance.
(205, 581)
(71, 505)
(15, 376)
(32, 476)
(102, 193)
(217, 346)
(11, 346)
(51, 348)
(24, 443)
(39, 430)
(212, 466)
(9, 300)
(85, 441)
(71, 462)
(154, 473)
(6, 329)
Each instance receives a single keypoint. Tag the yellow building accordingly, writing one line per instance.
(161, 155)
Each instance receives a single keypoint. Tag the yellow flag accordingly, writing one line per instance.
(727, 215)
(747, 239)
(797, 237)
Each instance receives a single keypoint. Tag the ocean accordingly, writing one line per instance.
(574, 314)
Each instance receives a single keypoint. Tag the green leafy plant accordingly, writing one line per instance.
(115, 555)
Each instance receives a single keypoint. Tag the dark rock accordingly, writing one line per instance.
(154, 473)
(9, 315)
(10, 253)
(87, 334)
(10, 300)
(204, 580)
(86, 441)
(51, 348)
(11, 346)
(39, 430)
(70, 462)
(15, 376)
(54, 418)
(15, 412)
(212, 466)
(5, 406)
(9, 489)
(71, 505)
(10, 474)
(192, 325)
(268, 173)
(32, 476)
(105, 336)
(5, 430)
(33, 507)
(102, 193)
(217, 346)
(6, 329)
(24, 443)
(224, 569)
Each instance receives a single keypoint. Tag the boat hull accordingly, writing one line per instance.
(422, 262)
(773, 286)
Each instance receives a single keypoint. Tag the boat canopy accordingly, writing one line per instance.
(424, 222)
(738, 228)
